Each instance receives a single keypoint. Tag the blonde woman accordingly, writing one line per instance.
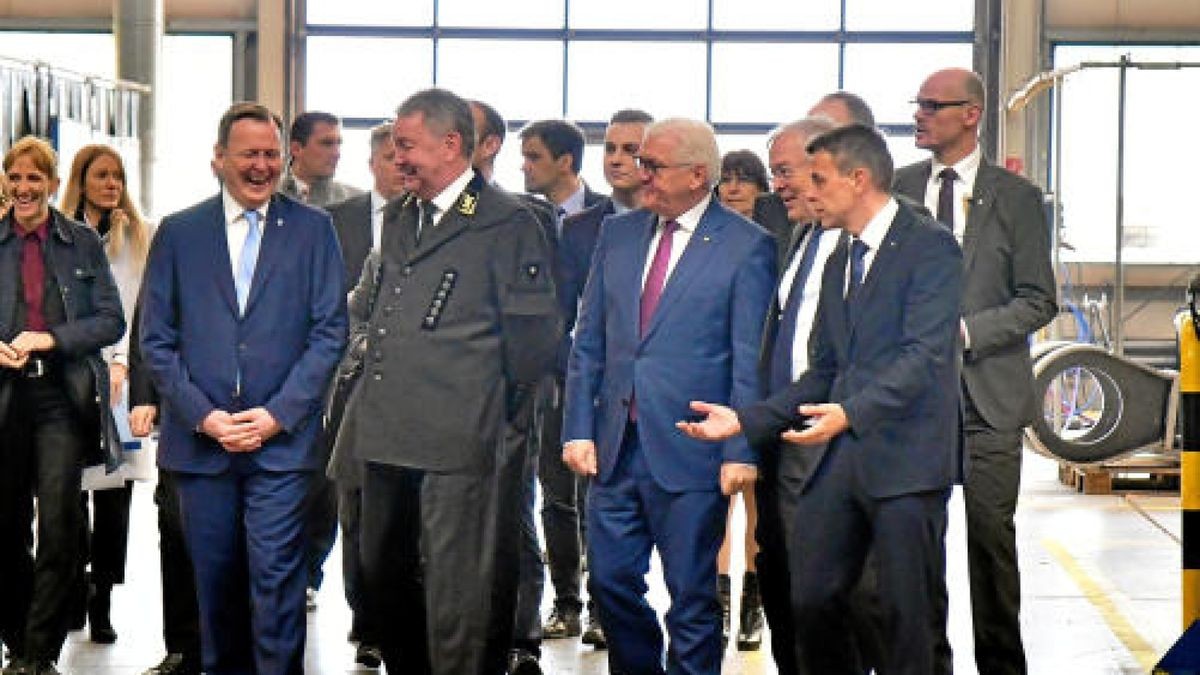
(54, 417)
(96, 194)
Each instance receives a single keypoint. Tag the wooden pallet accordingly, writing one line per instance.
(1145, 472)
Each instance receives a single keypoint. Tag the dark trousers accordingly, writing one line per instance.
(517, 559)
(109, 539)
(837, 524)
(350, 520)
(245, 534)
(41, 456)
(563, 502)
(427, 567)
(320, 527)
(629, 516)
(776, 497)
(180, 614)
(993, 478)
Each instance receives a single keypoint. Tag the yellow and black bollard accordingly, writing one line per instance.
(1188, 326)
(1184, 657)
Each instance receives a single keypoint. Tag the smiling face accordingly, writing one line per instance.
(429, 158)
(103, 183)
(30, 188)
(790, 178)
(250, 164)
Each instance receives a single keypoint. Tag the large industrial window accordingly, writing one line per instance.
(1159, 171)
(744, 65)
(190, 100)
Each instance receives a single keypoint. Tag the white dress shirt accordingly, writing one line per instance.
(964, 185)
(236, 227)
(810, 295)
(445, 199)
(873, 235)
(687, 221)
(378, 204)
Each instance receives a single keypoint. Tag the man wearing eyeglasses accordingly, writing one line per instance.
(1009, 293)
(672, 311)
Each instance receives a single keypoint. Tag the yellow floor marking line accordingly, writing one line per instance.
(1137, 645)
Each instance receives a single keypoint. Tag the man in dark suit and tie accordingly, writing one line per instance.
(672, 311)
(359, 225)
(879, 398)
(244, 319)
(1009, 293)
(785, 467)
(564, 494)
(462, 327)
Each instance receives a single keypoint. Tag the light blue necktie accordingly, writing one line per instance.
(249, 257)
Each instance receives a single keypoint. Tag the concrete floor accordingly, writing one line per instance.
(1101, 592)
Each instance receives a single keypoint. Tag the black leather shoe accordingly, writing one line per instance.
(368, 655)
(98, 606)
(561, 624)
(750, 623)
(174, 664)
(723, 597)
(594, 635)
(523, 662)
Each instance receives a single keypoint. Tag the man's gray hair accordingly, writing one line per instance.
(697, 143)
(807, 127)
(443, 111)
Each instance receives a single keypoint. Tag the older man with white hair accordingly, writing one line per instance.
(673, 311)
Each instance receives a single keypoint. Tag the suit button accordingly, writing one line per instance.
(387, 311)
(407, 270)
(397, 290)
(242, 347)
(378, 376)
(381, 332)
(625, 402)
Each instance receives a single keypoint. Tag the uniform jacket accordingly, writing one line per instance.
(285, 346)
(1009, 289)
(94, 319)
(702, 343)
(463, 327)
(889, 358)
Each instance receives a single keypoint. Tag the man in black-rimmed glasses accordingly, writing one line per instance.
(1009, 293)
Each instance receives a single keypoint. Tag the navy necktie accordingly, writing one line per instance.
(945, 209)
(858, 257)
(785, 337)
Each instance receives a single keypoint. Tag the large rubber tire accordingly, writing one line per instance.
(1132, 415)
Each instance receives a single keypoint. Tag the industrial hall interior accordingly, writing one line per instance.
(569, 337)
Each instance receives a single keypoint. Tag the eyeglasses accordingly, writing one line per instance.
(929, 105)
(652, 167)
(783, 171)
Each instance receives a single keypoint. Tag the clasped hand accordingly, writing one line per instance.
(16, 353)
(244, 431)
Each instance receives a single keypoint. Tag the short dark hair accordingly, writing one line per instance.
(561, 138)
(860, 112)
(631, 116)
(857, 146)
(747, 166)
(306, 122)
(493, 123)
(445, 111)
(245, 110)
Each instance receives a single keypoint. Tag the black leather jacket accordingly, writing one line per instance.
(92, 306)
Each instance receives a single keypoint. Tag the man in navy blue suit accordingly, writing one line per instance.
(881, 394)
(244, 319)
(673, 311)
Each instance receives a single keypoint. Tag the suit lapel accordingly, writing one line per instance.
(629, 260)
(701, 245)
(979, 210)
(272, 249)
(219, 253)
(881, 264)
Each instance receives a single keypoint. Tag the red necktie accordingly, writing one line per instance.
(656, 278)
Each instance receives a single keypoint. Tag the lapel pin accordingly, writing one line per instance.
(707, 238)
(279, 222)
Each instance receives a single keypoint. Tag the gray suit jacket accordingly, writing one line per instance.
(321, 192)
(352, 220)
(1009, 287)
